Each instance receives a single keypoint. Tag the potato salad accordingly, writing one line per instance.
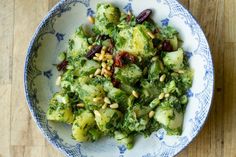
(122, 75)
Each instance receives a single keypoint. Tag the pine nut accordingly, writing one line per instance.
(90, 47)
(110, 61)
(58, 81)
(97, 54)
(114, 106)
(109, 68)
(91, 19)
(151, 114)
(167, 95)
(104, 106)
(80, 105)
(162, 78)
(154, 59)
(104, 64)
(97, 72)
(107, 72)
(161, 66)
(108, 56)
(151, 35)
(135, 94)
(95, 58)
(104, 48)
(181, 71)
(103, 52)
(97, 113)
(161, 96)
(97, 99)
(129, 13)
(107, 100)
(101, 57)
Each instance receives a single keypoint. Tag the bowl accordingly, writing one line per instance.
(51, 37)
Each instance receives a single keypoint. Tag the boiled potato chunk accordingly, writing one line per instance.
(81, 126)
(105, 118)
(59, 109)
(174, 60)
(170, 119)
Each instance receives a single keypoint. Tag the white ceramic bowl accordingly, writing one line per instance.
(51, 38)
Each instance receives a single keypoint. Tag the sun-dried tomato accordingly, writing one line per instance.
(122, 58)
(62, 66)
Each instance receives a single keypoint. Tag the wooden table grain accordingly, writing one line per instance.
(19, 136)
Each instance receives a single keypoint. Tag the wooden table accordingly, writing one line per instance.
(19, 136)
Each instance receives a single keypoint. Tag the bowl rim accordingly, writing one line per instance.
(29, 51)
(26, 66)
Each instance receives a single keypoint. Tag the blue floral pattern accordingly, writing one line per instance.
(48, 74)
(165, 22)
(60, 36)
(33, 72)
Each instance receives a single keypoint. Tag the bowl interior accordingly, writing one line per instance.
(51, 38)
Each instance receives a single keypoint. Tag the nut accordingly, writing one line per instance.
(107, 72)
(97, 113)
(107, 100)
(97, 72)
(90, 47)
(167, 95)
(135, 94)
(97, 99)
(91, 19)
(104, 106)
(161, 96)
(161, 66)
(181, 71)
(151, 35)
(114, 106)
(104, 48)
(104, 65)
(109, 68)
(129, 13)
(80, 105)
(101, 57)
(58, 81)
(95, 58)
(154, 58)
(162, 78)
(97, 54)
(151, 114)
(108, 56)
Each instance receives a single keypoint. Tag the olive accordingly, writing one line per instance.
(143, 16)
(95, 49)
